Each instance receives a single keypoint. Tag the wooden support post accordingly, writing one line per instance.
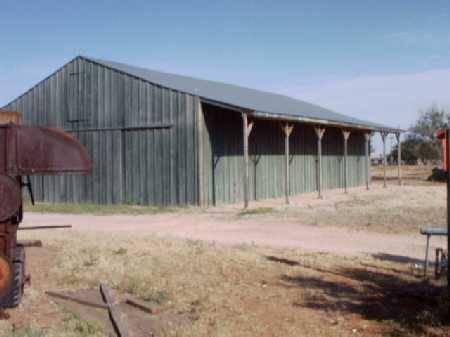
(200, 154)
(383, 137)
(287, 130)
(246, 130)
(399, 157)
(367, 152)
(319, 133)
(346, 135)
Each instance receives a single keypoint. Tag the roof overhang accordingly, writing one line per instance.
(300, 119)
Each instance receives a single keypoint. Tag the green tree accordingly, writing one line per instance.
(429, 121)
(410, 150)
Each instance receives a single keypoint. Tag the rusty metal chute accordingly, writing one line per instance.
(25, 151)
(10, 197)
(29, 150)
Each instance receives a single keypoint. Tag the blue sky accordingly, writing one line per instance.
(378, 60)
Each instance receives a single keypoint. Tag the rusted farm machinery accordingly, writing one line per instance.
(27, 151)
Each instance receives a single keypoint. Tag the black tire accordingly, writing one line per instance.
(14, 297)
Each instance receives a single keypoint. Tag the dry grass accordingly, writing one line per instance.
(403, 210)
(257, 211)
(66, 208)
(71, 326)
(243, 290)
(411, 174)
(248, 290)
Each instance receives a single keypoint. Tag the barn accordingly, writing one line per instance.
(161, 139)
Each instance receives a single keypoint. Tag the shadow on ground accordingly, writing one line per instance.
(396, 258)
(388, 178)
(407, 306)
(282, 260)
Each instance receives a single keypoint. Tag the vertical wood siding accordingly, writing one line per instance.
(149, 167)
(158, 166)
(224, 164)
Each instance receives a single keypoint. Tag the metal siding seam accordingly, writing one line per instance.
(162, 148)
(170, 136)
(142, 135)
(190, 152)
(136, 175)
(183, 150)
(150, 152)
(166, 149)
(147, 140)
(160, 154)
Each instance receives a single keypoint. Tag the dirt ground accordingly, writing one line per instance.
(376, 221)
(340, 266)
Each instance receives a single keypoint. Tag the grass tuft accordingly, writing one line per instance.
(81, 327)
(257, 211)
(73, 208)
(28, 332)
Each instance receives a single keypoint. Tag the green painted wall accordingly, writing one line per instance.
(155, 166)
(224, 164)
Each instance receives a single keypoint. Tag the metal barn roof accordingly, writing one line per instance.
(261, 103)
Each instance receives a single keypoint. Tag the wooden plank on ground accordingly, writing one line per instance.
(117, 317)
(30, 228)
(30, 243)
(134, 302)
(76, 300)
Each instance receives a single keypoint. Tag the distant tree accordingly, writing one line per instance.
(429, 121)
(410, 150)
(420, 142)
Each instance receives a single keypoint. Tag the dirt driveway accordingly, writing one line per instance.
(379, 221)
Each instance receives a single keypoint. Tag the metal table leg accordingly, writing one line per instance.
(425, 269)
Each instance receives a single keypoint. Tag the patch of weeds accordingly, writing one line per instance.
(131, 285)
(120, 251)
(174, 333)
(257, 211)
(71, 278)
(28, 332)
(73, 208)
(156, 297)
(194, 243)
(90, 261)
(81, 327)
(143, 290)
(91, 257)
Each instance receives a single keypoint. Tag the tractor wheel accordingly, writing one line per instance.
(15, 295)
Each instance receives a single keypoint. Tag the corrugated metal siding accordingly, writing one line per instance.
(154, 166)
(158, 166)
(224, 164)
